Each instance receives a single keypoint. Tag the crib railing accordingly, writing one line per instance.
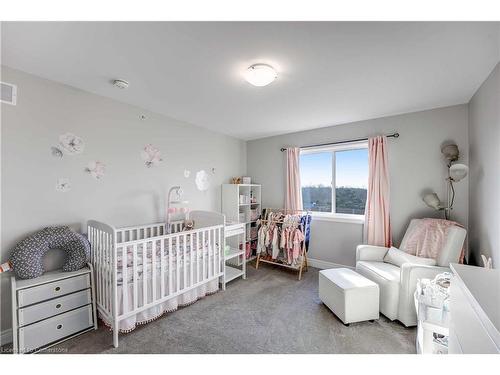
(102, 238)
(163, 265)
(167, 266)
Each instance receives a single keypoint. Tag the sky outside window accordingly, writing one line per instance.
(316, 169)
(351, 168)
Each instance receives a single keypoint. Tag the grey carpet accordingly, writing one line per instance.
(270, 312)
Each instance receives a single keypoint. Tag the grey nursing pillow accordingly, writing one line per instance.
(27, 257)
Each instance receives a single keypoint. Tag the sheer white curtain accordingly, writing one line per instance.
(293, 192)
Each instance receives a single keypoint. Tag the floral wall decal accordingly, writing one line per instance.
(71, 144)
(63, 185)
(151, 156)
(187, 173)
(96, 169)
(202, 180)
(56, 152)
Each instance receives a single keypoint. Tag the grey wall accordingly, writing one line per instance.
(128, 194)
(484, 154)
(415, 164)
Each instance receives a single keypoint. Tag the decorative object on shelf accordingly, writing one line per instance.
(174, 197)
(96, 169)
(71, 143)
(63, 184)
(456, 173)
(26, 260)
(56, 152)
(236, 180)
(244, 199)
(246, 180)
(151, 156)
(487, 263)
(202, 180)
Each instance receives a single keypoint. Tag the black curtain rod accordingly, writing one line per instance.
(394, 135)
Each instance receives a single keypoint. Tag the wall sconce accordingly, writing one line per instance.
(456, 173)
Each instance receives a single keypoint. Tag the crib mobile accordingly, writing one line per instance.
(26, 260)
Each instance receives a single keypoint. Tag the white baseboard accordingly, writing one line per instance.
(6, 337)
(323, 264)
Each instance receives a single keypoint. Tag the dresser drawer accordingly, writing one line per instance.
(52, 290)
(47, 331)
(43, 310)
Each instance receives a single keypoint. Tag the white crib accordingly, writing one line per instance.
(143, 272)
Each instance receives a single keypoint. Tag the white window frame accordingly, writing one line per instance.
(333, 216)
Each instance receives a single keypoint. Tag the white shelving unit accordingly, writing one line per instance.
(242, 203)
(234, 236)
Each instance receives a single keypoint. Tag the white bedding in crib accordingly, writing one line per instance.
(199, 256)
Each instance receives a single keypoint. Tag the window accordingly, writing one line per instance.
(334, 179)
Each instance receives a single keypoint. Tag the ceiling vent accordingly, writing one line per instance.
(8, 93)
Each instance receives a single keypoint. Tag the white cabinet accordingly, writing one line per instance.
(474, 310)
(52, 308)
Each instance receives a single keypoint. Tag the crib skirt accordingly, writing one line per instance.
(148, 315)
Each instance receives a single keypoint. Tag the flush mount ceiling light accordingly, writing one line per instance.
(260, 74)
(120, 83)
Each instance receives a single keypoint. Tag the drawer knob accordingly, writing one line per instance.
(57, 288)
(59, 326)
(58, 306)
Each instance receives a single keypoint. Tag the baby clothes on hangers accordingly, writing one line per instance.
(298, 237)
(276, 249)
(261, 238)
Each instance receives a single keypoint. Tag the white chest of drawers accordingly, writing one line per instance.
(474, 310)
(51, 309)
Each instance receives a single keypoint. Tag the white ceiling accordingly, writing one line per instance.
(329, 72)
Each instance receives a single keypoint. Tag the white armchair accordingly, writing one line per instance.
(397, 285)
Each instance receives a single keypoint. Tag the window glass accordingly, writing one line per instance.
(316, 180)
(335, 180)
(351, 180)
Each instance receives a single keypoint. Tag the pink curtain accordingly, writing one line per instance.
(293, 193)
(377, 211)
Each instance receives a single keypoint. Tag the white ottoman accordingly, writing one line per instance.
(352, 297)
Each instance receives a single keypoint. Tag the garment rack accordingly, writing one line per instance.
(303, 263)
